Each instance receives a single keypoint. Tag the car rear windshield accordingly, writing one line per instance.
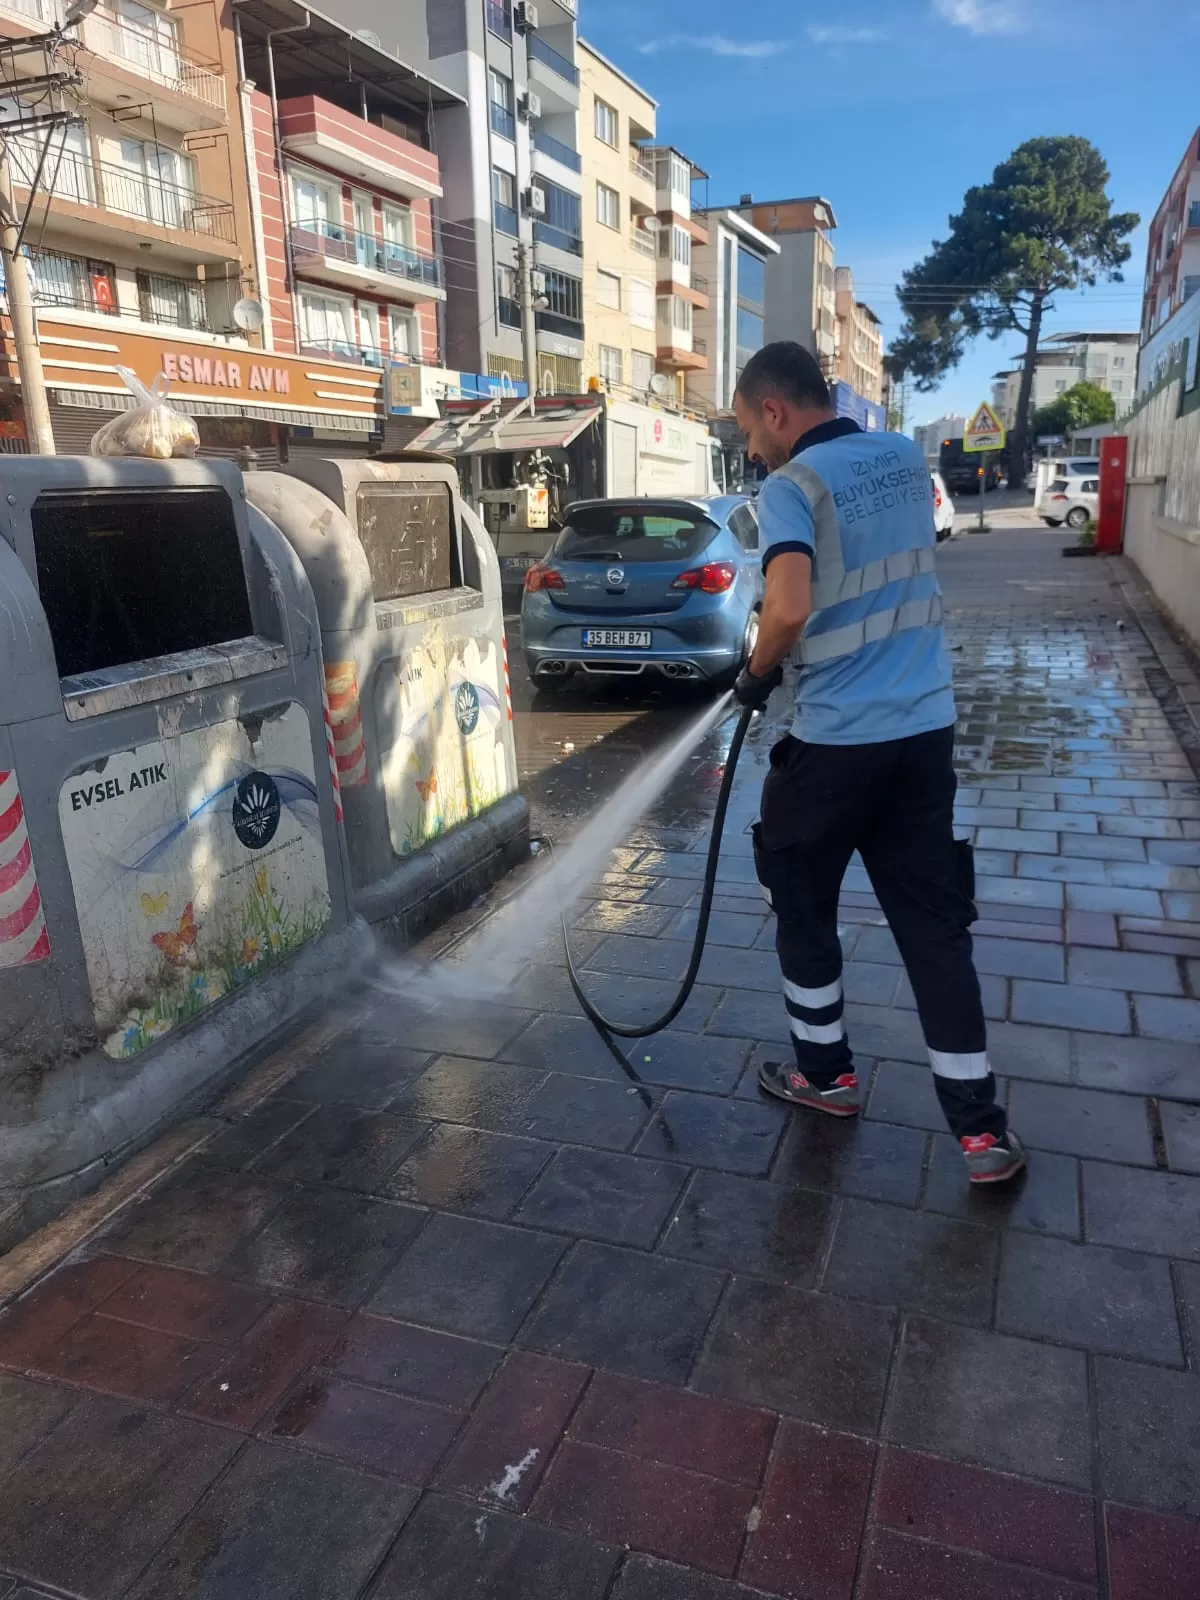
(629, 533)
(1059, 486)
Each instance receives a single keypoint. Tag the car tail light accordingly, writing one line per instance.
(714, 578)
(543, 578)
(1058, 497)
(937, 498)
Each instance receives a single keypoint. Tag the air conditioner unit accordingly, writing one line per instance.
(525, 16)
(535, 201)
(531, 106)
(537, 281)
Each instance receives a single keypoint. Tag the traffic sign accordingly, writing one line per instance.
(985, 431)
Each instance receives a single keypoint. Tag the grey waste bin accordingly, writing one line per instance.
(407, 587)
(172, 882)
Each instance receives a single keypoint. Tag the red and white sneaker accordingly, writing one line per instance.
(787, 1082)
(992, 1160)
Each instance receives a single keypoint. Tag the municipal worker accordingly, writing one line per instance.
(846, 520)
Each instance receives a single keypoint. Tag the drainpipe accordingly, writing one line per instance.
(245, 89)
(284, 188)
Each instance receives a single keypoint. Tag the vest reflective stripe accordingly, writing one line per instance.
(879, 625)
(892, 569)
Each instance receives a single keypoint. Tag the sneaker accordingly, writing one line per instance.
(789, 1083)
(992, 1160)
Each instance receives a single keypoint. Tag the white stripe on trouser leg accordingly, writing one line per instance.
(766, 894)
(814, 999)
(817, 1032)
(946, 1064)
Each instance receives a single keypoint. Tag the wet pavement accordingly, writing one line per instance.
(476, 1306)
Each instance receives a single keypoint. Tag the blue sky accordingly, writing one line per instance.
(892, 108)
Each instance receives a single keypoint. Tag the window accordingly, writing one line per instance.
(508, 302)
(368, 333)
(639, 534)
(405, 332)
(611, 364)
(1118, 362)
(153, 182)
(500, 99)
(640, 302)
(563, 222)
(144, 38)
(504, 201)
(678, 313)
(327, 323)
(1060, 385)
(1090, 486)
(749, 334)
(608, 289)
(177, 301)
(565, 295)
(607, 124)
(74, 176)
(643, 371)
(752, 279)
(743, 524)
(608, 206)
(499, 17)
(59, 280)
(681, 246)
(681, 176)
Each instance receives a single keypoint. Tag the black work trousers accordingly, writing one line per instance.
(894, 804)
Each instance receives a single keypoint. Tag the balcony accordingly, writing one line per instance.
(547, 145)
(110, 205)
(551, 322)
(1189, 287)
(505, 220)
(699, 283)
(312, 127)
(502, 121)
(122, 51)
(555, 78)
(333, 252)
(642, 241)
(558, 238)
(499, 18)
(641, 168)
(1194, 214)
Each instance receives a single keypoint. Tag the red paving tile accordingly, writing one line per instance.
(118, 1358)
(386, 1432)
(812, 1515)
(36, 1324)
(661, 1510)
(285, 1340)
(441, 1367)
(514, 1430)
(991, 1512)
(1151, 1555)
(896, 1568)
(675, 1427)
(187, 1304)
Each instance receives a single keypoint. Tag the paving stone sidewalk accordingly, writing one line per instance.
(474, 1307)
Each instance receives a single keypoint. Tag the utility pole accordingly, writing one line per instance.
(23, 319)
(528, 326)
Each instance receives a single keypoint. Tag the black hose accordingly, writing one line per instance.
(623, 1030)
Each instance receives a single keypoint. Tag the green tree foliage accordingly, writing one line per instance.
(1043, 225)
(1083, 406)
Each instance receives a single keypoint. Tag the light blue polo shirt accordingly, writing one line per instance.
(861, 505)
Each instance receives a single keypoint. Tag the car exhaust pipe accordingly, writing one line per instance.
(551, 669)
(678, 669)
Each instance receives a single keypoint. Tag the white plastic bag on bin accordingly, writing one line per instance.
(152, 428)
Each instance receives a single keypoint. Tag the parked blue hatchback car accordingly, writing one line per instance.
(630, 587)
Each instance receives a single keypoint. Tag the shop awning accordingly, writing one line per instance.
(478, 434)
(294, 416)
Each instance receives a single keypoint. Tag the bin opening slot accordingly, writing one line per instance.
(409, 536)
(131, 575)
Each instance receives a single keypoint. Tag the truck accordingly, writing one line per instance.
(522, 462)
(960, 468)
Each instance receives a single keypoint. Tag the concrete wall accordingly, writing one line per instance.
(1162, 514)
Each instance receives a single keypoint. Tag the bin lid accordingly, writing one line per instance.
(483, 433)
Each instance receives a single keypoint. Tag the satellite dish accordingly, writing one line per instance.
(368, 36)
(660, 384)
(651, 224)
(249, 315)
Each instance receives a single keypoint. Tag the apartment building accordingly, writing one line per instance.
(511, 171)
(620, 233)
(1173, 246)
(681, 287)
(1108, 360)
(858, 355)
(929, 435)
(801, 294)
(736, 259)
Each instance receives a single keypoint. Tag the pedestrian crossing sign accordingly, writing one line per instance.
(985, 431)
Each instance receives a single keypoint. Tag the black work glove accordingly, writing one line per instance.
(754, 691)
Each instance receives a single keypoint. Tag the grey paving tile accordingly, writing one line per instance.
(1131, 788)
(1149, 1423)
(986, 816)
(1136, 1066)
(1142, 827)
(1023, 839)
(1179, 906)
(952, 1382)
(703, 1131)
(1114, 1301)
(1036, 783)
(903, 1092)
(688, 1061)
(996, 863)
(623, 917)
(30, 1411)
(1175, 852)
(1061, 821)
(466, 1169)
(1018, 892)
(1108, 897)
(1066, 1005)
(1158, 1212)
(1061, 869)
(918, 1261)
(640, 957)
(736, 928)
(744, 1225)
(567, 1044)
(1019, 958)
(1152, 875)
(1082, 1122)
(483, 1031)
(1103, 847)
(751, 1016)
(1098, 804)
(595, 1194)
(1181, 1130)
(1161, 1018)
(1124, 969)
(876, 1160)
(872, 983)
(1043, 1199)
(1019, 1050)
(879, 1031)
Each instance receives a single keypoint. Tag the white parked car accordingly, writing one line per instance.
(1073, 468)
(1074, 501)
(943, 507)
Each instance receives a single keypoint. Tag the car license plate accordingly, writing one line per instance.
(617, 638)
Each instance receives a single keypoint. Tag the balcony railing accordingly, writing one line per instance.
(642, 241)
(505, 219)
(539, 50)
(130, 194)
(641, 168)
(551, 322)
(332, 241)
(502, 120)
(499, 18)
(1189, 286)
(557, 150)
(699, 283)
(1194, 214)
(153, 56)
(558, 238)
(699, 346)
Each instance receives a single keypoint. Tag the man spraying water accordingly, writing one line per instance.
(848, 542)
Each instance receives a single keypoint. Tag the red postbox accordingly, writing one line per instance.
(1110, 522)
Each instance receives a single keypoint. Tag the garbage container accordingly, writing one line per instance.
(172, 882)
(407, 588)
